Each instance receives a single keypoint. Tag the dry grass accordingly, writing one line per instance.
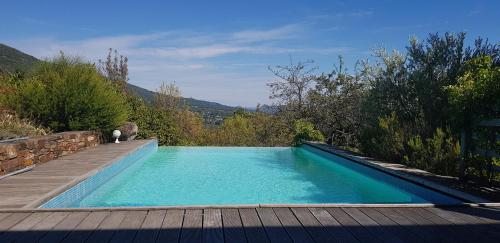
(12, 126)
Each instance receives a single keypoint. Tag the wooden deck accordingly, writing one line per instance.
(33, 187)
(350, 224)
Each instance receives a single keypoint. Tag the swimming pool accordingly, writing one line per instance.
(179, 176)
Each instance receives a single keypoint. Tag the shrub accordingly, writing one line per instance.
(384, 141)
(416, 153)
(305, 131)
(67, 94)
(439, 154)
(249, 129)
(153, 122)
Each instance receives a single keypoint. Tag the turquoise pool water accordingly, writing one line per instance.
(248, 175)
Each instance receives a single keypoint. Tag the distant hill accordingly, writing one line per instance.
(12, 60)
(212, 112)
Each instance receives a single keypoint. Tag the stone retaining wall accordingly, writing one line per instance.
(19, 154)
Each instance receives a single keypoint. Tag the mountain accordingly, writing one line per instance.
(12, 60)
(212, 112)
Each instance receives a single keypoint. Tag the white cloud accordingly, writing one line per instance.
(284, 32)
(189, 58)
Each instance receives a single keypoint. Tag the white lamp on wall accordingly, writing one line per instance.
(116, 134)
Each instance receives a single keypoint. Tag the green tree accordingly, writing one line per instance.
(153, 122)
(68, 94)
(334, 105)
(475, 97)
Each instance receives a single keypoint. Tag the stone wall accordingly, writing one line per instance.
(19, 154)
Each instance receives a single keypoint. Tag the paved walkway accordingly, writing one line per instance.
(31, 188)
(258, 225)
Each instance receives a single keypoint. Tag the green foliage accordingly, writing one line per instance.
(152, 122)
(249, 129)
(439, 154)
(385, 141)
(437, 83)
(476, 94)
(334, 105)
(67, 94)
(305, 131)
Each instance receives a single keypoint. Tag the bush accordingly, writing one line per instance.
(439, 154)
(67, 94)
(384, 141)
(305, 131)
(12, 126)
(249, 129)
(153, 122)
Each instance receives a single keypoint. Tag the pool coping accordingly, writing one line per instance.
(48, 196)
(466, 197)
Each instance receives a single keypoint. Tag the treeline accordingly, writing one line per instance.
(409, 107)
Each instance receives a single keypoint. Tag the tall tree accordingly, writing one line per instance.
(433, 64)
(334, 104)
(291, 86)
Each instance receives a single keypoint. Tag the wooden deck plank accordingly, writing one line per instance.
(254, 225)
(171, 228)
(62, 229)
(408, 224)
(445, 226)
(83, 230)
(128, 227)
(254, 230)
(432, 231)
(339, 233)
(311, 224)
(491, 216)
(292, 225)
(391, 227)
(192, 228)
(26, 224)
(464, 222)
(272, 225)
(151, 226)
(104, 232)
(233, 227)
(212, 226)
(11, 220)
(3, 215)
(42, 228)
(485, 215)
(352, 225)
(372, 226)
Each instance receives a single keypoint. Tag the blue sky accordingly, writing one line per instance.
(220, 50)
